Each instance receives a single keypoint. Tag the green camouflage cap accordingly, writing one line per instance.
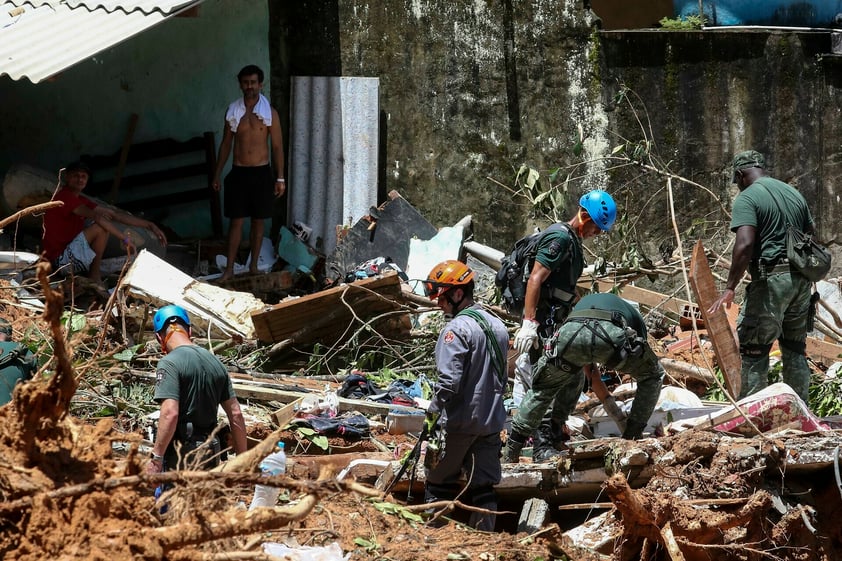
(749, 159)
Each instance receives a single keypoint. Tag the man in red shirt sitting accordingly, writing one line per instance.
(76, 233)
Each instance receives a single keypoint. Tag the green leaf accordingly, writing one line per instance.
(126, 355)
(306, 431)
(321, 442)
(74, 322)
(532, 179)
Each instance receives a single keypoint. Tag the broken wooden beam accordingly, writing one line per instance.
(332, 315)
(719, 329)
(683, 370)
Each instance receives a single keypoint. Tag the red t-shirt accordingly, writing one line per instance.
(61, 224)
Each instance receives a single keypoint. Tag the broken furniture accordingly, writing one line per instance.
(335, 314)
(151, 178)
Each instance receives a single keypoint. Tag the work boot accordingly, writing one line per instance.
(483, 497)
(511, 451)
(634, 430)
(549, 442)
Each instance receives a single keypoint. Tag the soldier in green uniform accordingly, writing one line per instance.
(17, 363)
(777, 300)
(601, 329)
(551, 292)
(191, 385)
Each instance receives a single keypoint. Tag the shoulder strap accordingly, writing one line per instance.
(775, 200)
(497, 356)
(11, 354)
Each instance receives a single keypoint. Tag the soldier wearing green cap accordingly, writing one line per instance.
(777, 300)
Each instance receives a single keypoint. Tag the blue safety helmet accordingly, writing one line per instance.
(601, 208)
(169, 314)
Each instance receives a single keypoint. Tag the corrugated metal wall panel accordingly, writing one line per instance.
(38, 42)
(333, 153)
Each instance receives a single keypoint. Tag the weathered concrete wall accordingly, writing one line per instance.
(470, 90)
(712, 94)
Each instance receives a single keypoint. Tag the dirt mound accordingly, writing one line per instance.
(65, 496)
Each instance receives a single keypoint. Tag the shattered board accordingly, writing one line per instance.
(385, 234)
(153, 280)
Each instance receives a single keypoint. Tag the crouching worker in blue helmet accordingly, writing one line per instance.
(191, 385)
(550, 295)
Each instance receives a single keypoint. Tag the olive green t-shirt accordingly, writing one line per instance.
(757, 205)
(560, 251)
(14, 368)
(612, 303)
(198, 381)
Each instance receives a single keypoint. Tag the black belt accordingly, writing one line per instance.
(760, 269)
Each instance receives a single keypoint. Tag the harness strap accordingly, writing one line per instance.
(593, 313)
(497, 356)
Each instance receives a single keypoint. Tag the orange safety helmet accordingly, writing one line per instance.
(445, 276)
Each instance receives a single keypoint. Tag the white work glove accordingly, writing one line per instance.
(527, 336)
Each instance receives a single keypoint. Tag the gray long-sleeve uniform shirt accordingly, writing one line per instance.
(469, 391)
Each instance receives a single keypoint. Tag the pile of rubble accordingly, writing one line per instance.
(757, 479)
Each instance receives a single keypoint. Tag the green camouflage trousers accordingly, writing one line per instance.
(563, 380)
(775, 309)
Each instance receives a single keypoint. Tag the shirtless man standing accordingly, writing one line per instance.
(250, 186)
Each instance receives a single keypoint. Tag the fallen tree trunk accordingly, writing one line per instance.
(660, 518)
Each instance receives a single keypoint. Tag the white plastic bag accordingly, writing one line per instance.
(330, 552)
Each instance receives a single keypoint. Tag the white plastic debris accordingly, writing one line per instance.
(330, 552)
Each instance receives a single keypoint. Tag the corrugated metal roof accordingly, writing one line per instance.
(39, 38)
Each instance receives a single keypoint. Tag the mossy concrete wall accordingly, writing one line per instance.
(711, 94)
(470, 90)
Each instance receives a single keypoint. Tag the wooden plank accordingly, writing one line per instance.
(124, 154)
(266, 391)
(674, 307)
(249, 391)
(722, 336)
(825, 352)
(326, 316)
(285, 414)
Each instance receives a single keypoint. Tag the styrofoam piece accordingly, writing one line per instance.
(330, 552)
(424, 255)
(152, 279)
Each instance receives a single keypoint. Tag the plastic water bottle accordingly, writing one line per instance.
(273, 464)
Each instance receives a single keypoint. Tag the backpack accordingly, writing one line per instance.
(515, 268)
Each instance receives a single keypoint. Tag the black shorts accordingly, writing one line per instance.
(249, 192)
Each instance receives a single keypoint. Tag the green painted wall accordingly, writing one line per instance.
(178, 77)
